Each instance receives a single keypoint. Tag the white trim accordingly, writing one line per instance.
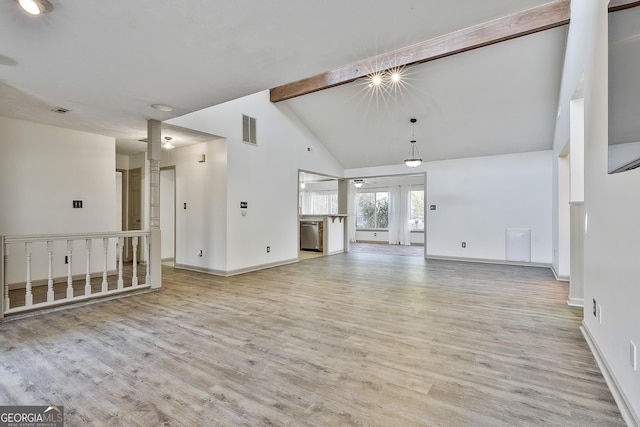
(559, 278)
(339, 251)
(81, 298)
(490, 261)
(630, 417)
(228, 273)
(575, 302)
(61, 279)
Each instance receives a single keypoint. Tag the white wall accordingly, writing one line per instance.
(561, 257)
(203, 187)
(477, 199)
(265, 176)
(611, 255)
(42, 170)
(167, 212)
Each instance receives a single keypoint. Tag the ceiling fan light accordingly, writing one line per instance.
(35, 7)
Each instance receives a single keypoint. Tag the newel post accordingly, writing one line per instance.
(154, 137)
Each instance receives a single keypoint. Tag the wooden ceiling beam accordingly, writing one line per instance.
(547, 16)
(616, 5)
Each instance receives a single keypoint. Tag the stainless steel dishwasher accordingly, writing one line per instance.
(309, 237)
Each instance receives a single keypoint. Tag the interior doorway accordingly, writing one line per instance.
(121, 199)
(134, 209)
(168, 213)
(387, 214)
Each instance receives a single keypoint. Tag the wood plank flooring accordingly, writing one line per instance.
(350, 339)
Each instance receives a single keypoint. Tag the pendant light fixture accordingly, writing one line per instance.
(413, 160)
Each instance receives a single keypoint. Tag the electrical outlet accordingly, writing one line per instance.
(464, 244)
(595, 307)
(66, 259)
(200, 253)
(633, 355)
(268, 249)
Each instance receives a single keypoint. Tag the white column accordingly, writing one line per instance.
(69, 270)
(87, 283)
(154, 261)
(120, 262)
(134, 244)
(105, 249)
(50, 296)
(28, 297)
(4, 256)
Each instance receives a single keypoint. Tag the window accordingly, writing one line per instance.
(416, 220)
(372, 210)
(318, 203)
(324, 203)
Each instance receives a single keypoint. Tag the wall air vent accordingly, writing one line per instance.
(249, 130)
(61, 110)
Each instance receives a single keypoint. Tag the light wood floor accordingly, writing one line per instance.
(350, 339)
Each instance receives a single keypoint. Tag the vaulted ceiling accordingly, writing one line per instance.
(108, 62)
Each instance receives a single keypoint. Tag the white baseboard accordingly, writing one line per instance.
(233, 272)
(558, 277)
(339, 251)
(626, 410)
(490, 261)
(575, 302)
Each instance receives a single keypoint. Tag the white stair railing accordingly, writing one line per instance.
(18, 288)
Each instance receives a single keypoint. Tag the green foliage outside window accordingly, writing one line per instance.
(373, 210)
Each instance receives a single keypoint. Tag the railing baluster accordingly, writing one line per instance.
(147, 253)
(87, 284)
(50, 296)
(7, 301)
(69, 270)
(105, 248)
(120, 262)
(28, 296)
(36, 272)
(134, 243)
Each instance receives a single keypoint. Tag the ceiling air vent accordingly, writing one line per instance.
(249, 130)
(61, 110)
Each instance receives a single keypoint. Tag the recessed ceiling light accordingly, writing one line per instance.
(162, 107)
(395, 77)
(376, 79)
(35, 7)
(61, 110)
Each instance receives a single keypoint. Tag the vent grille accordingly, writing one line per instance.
(249, 130)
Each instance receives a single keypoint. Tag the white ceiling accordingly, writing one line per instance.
(108, 61)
